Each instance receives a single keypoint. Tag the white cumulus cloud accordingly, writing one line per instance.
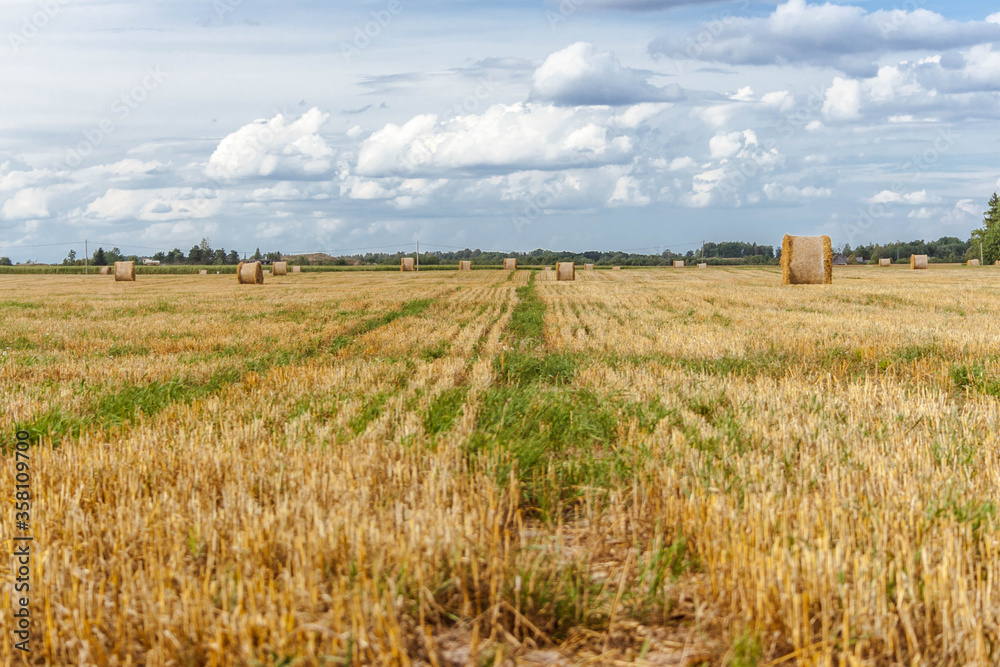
(274, 148)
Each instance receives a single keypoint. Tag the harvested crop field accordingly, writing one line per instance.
(652, 467)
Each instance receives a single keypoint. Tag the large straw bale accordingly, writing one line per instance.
(703, 265)
(510, 264)
(885, 261)
(565, 271)
(918, 262)
(203, 272)
(281, 268)
(125, 272)
(407, 264)
(465, 265)
(806, 260)
(296, 269)
(250, 273)
(588, 267)
(973, 262)
(678, 263)
(105, 270)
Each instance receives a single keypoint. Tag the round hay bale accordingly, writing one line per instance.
(616, 268)
(565, 271)
(250, 273)
(973, 262)
(918, 262)
(203, 272)
(806, 260)
(885, 261)
(280, 268)
(703, 265)
(588, 267)
(296, 269)
(125, 272)
(549, 268)
(105, 270)
(510, 264)
(465, 265)
(679, 264)
(407, 264)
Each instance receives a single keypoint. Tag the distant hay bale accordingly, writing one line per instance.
(918, 262)
(510, 264)
(281, 268)
(703, 265)
(267, 272)
(203, 272)
(588, 267)
(806, 260)
(549, 268)
(296, 269)
(679, 264)
(105, 270)
(997, 263)
(973, 262)
(125, 272)
(465, 265)
(565, 271)
(407, 264)
(885, 261)
(616, 268)
(250, 273)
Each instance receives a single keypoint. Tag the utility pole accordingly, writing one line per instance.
(418, 255)
(981, 262)
(703, 249)
(86, 259)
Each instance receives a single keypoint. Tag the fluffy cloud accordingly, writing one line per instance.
(27, 204)
(504, 138)
(913, 198)
(274, 148)
(154, 204)
(777, 192)
(848, 37)
(581, 75)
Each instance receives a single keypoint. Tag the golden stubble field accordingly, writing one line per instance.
(659, 467)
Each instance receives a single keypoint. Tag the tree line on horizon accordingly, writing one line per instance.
(984, 240)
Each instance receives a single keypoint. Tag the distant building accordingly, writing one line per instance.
(839, 260)
(151, 262)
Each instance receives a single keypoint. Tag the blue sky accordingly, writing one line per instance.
(580, 124)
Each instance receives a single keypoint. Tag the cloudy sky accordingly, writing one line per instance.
(566, 124)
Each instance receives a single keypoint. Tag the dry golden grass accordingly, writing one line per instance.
(755, 472)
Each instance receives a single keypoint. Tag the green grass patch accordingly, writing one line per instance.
(444, 409)
(370, 411)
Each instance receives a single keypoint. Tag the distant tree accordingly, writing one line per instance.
(195, 255)
(160, 257)
(256, 257)
(175, 256)
(70, 258)
(233, 257)
(988, 235)
(99, 259)
(5, 261)
(272, 257)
